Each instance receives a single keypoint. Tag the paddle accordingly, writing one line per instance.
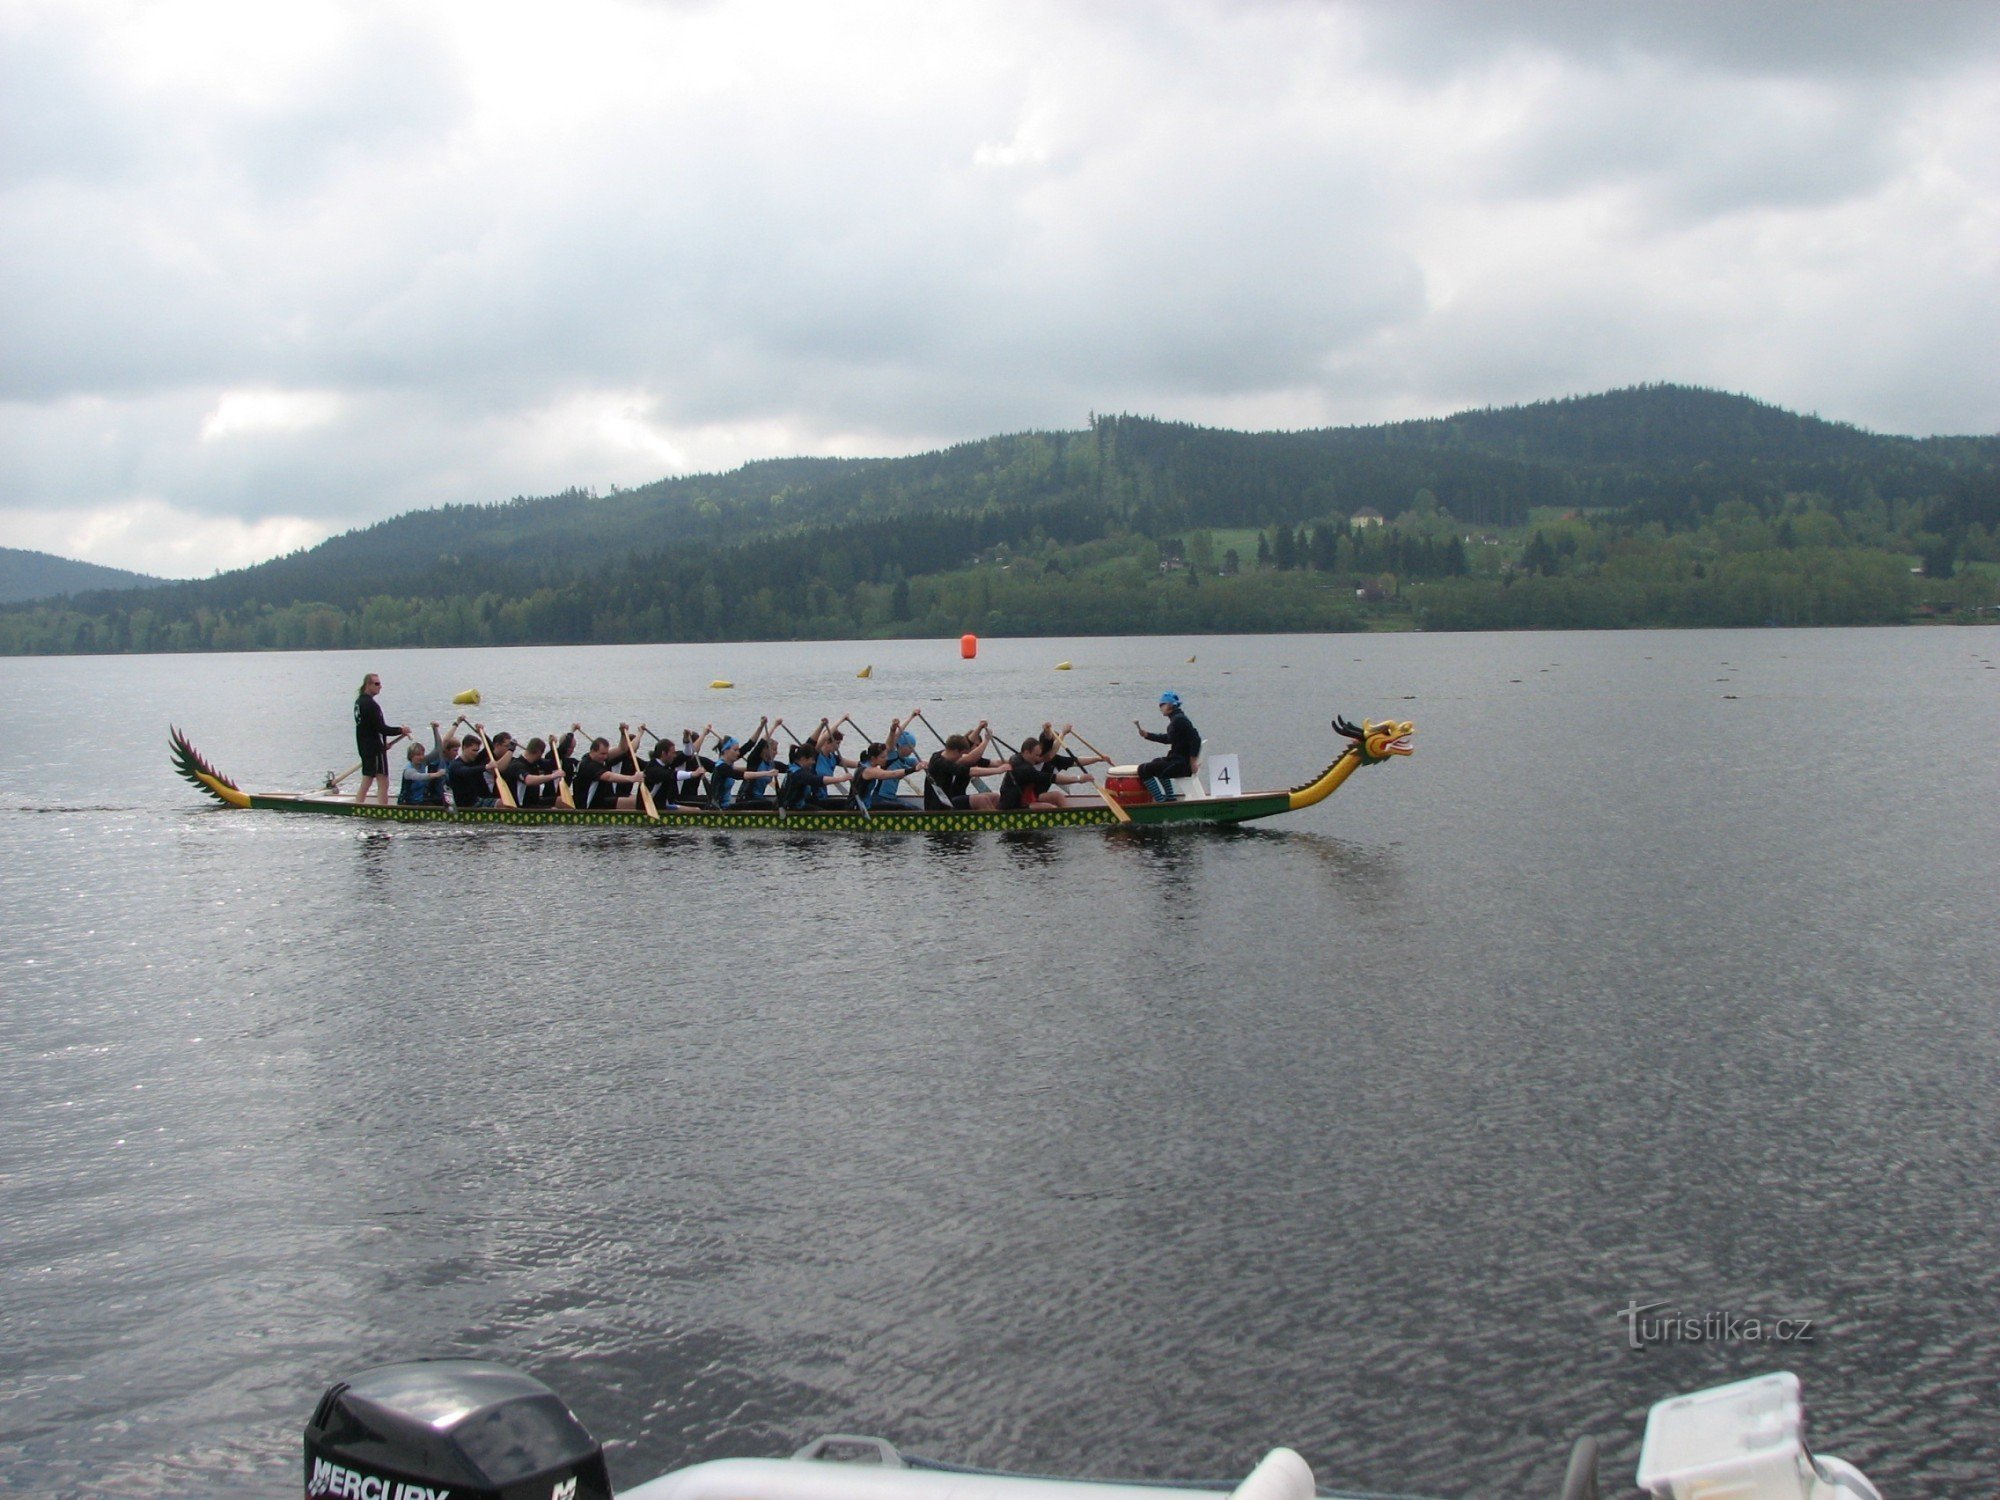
(333, 782)
(500, 788)
(639, 772)
(704, 773)
(579, 744)
(563, 797)
(1117, 807)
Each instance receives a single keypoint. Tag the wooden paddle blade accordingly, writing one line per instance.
(645, 792)
(1117, 807)
(563, 797)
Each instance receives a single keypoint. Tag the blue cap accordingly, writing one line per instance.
(1172, 698)
(906, 741)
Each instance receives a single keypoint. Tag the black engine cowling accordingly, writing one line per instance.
(449, 1429)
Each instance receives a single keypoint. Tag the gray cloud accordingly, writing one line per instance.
(1777, 38)
(1692, 147)
(363, 259)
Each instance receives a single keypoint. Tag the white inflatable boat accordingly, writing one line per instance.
(453, 1429)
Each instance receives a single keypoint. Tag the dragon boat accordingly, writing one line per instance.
(1368, 744)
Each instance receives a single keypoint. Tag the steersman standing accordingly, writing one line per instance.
(372, 737)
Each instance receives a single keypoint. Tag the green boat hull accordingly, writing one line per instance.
(1091, 815)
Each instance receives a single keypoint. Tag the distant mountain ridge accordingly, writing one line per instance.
(26, 575)
(1471, 460)
(1653, 424)
(809, 547)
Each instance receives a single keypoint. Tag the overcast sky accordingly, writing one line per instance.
(273, 270)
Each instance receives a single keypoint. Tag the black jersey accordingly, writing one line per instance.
(1024, 782)
(468, 783)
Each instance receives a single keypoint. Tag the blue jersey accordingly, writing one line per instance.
(722, 783)
(420, 788)
(903, 764)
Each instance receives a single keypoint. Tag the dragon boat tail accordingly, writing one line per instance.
(1368, 744)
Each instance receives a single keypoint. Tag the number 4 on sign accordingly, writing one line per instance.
(1224, 779)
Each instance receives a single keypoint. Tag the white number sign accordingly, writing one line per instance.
(1224, 778)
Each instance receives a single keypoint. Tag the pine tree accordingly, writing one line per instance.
(1323, 551)
(1538, 556)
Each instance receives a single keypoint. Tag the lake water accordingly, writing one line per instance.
(1666, 971)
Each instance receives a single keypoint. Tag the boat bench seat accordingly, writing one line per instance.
(1189, 786)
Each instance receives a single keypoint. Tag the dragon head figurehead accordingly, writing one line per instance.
(1377, 742)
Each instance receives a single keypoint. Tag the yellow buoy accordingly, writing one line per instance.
(469, 696)
(867, 671)
(1062, 666)
(722, 682)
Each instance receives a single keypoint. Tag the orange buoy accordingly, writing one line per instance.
(968, 646)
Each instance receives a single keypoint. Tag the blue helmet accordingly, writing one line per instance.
(1171, 700)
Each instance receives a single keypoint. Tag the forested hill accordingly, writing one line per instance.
(1005, 534)
(1664, 424)
(39, 575)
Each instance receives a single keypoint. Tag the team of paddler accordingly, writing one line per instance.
(701, 770)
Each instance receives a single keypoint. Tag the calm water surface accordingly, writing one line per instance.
(1666, 971)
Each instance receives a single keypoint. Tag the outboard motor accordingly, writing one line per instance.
(449, 1429)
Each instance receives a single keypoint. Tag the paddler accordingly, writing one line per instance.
(762, 772)
(467, 775)
(541, 773)
(596, 785)
(806, 784)
(504, 764)
(725, 772)
(659, 773)
(693, 766)
(948, 774)
(1031, 781)
(420, 780)
(904, 760)
(876, 779)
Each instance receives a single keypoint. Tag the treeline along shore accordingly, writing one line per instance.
(1654, 506)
